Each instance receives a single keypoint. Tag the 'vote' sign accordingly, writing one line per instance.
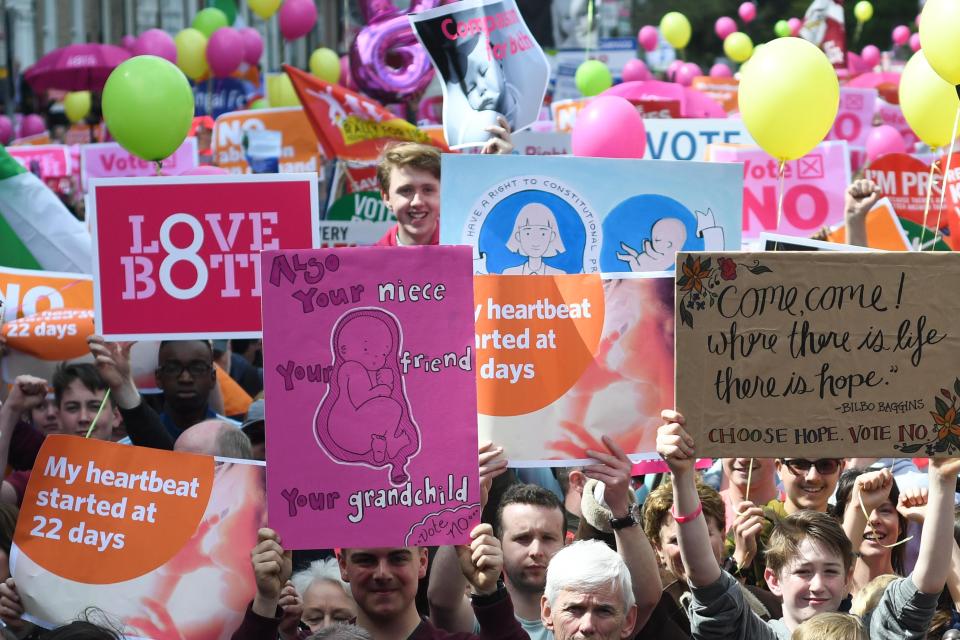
(180, 257)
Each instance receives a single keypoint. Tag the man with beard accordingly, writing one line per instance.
(531, 527)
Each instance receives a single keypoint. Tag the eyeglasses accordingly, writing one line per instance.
(824, 466)
(176, 369)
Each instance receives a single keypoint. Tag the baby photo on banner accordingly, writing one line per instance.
(489, 63)
(369, 367)
(159, 541)
(564, 360)
(526, 215)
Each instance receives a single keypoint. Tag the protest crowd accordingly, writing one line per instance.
(255, 386)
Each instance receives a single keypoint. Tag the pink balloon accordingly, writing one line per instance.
(916, 20)
(724, 26)
(915, 42)
(31, 125)
(252, 45)
(870, 55)
(609, 127)
(297, 18)
(747, 11)
(720, 70)
(155, 42)
(648, 37)
(6, 130)
(901, 35)
(883, 140)
(795, 25)
(673, 68)
(224, 51)
(687, 72)
(635, 69)
(127, 42)
(205, 170)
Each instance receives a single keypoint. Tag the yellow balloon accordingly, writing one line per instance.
(738, 46)
(675, 29)
(789, 95)
(929, 103)
(280, 91)
(325, 64)
(264, 8)
(192, 53)
(940, 37)
(77, 105)
(863, 11)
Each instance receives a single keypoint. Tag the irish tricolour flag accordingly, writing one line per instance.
(36, 230)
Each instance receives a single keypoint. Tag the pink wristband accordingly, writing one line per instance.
(689, 517)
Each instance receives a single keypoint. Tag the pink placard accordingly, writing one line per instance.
(369, 368)
(813, 188)
(892, 115)
(855, 116)
(53, 160)
(110, 160)
(180, 257)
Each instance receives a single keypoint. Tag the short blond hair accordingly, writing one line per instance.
(407, 154)
(831, 626)
(867, 598)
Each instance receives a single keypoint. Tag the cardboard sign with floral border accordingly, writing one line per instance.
(817, 354)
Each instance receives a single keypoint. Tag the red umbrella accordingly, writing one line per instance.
(76, 67)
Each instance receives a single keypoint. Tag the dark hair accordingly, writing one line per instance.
(206, 343)
(8, 524)
(533, 495)
(845, 491)
(86, 373)
(83, 630)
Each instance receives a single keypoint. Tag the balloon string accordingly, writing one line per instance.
(159, 166)
(873, 529)
(591, 6)
(746, 495)
(926, 208)
(780, 194)
(857, 32)
(946, 174)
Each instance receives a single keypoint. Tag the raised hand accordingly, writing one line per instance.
(482, 560)
(613, 470)
(674, 444)
(746, 532)
(912, 504)
(491, 466)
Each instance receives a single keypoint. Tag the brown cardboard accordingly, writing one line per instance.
(886, 381)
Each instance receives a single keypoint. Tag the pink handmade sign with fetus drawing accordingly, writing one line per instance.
(372, 407)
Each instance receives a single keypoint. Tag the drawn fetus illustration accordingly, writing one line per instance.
(365, 418)
(659, 251)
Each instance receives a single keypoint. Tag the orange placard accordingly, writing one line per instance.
(565, 113)
(54, 334)
(24, 292)
(300, 151)
(535, 338)
(99, 513)
(723, 90)
(884, 230)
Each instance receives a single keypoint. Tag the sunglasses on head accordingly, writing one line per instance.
(824, 466)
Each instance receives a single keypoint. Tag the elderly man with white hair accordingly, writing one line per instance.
(588, 594)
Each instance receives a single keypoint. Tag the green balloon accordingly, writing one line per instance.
(148, 107)
(259, 103)
(593, 77)
(209, 20)
(782, 29)
(229, 8)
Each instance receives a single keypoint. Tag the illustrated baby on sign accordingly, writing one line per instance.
(365, 418)
(659, 251)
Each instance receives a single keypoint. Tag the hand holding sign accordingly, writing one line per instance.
(481, 561)
(613, 470)
(272, 567)
(746, 530)
(11, 608)
(292, 605)
(675, 445)
(113, 363)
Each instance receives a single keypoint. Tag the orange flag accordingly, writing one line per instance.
(349, 125)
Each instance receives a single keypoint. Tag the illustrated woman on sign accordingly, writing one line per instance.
(535, 236)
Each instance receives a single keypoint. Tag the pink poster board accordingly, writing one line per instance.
(179, 257)
(110, 160)
(53, 160)
(369, 368)
(813, 188)
(855, 116)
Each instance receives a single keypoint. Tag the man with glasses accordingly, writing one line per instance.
(184, 373)
(807, 484)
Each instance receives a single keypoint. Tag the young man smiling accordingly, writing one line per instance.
(809, 560)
